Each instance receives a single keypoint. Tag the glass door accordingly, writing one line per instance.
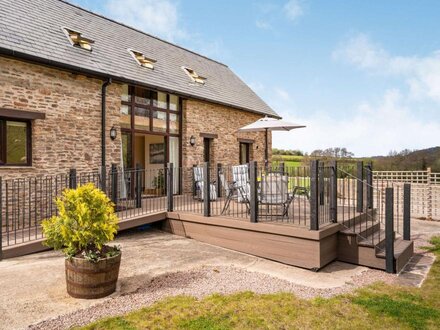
(174, 157)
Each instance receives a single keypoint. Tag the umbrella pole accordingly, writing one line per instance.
(266, 150)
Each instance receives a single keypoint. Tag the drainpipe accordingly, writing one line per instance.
(103, 133)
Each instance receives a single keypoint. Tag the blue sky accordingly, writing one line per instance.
(364, 75)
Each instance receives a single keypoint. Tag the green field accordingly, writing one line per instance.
(289, 161)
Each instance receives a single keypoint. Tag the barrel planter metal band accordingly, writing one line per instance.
(89, 280)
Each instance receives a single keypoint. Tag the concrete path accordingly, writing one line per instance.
(32, 288)
(415, 272)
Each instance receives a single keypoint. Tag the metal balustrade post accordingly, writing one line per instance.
(193, 179)
(334, 191)
(72, 178)
(218, 181)
(138, 179)
(206, 190)
(314, 203)
(114, 184)
(369, 185)
(360, 187)
(429, 193)
(407, 211)
(170, 187)
(321, 184)
(253, 198)
(389, 230)
(282, 168)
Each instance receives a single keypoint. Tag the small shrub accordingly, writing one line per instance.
(86, 221)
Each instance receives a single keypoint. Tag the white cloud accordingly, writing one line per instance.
(263, 25)
(371, 129)
(421, 74)
(294, 9)
(257, 87)
(361, 51)
(282, 94)
(157, 17)
(161, 18)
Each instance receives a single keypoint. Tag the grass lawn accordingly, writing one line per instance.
(289, 161)
(378, 306)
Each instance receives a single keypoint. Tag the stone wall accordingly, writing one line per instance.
(207, 118)
(203, 117)
(70, 136)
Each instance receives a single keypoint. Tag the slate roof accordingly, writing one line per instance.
(33, 28)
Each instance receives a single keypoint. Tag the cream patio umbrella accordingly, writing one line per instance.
(267, 124)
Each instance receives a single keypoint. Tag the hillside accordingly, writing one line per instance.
(415, 160)
(403, 161)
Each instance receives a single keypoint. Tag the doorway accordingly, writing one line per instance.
(244, 153)
(207, 150)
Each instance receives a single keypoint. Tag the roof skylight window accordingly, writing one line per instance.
(77, 40)
(142, 60)
(194, 76)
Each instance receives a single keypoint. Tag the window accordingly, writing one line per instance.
(77, 40)
(174, 123)
(174, 102)
(194, 76)
(126, 94)
(126, 150)
(141, 59)
(142, 119)
(159, 121)
(160, 100)
(15, 148)
(143, 110)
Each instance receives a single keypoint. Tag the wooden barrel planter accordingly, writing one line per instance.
(89, 280)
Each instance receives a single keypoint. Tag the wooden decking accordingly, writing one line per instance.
(287, 239)
(19, 233)
(282, 242)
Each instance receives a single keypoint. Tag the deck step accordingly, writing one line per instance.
(375, 239)
(403, 251)
(360, 217)
(364, 228)
(400, 246)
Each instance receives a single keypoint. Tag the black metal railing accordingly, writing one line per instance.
(25, 202)
(137, 192)
(309, 196)
(256, 193)
(376, 213)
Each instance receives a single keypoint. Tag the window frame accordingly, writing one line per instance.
(3, 142)
(131, 103)
(151, 107)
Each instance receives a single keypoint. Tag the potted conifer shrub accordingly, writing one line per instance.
(86, 221)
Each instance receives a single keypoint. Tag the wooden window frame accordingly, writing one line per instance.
(4, 147)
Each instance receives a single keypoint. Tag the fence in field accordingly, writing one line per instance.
(425, 190)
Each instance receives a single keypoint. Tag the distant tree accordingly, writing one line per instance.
(316, 153)
(405, 152)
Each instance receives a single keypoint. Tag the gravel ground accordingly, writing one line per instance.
(202, 282)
